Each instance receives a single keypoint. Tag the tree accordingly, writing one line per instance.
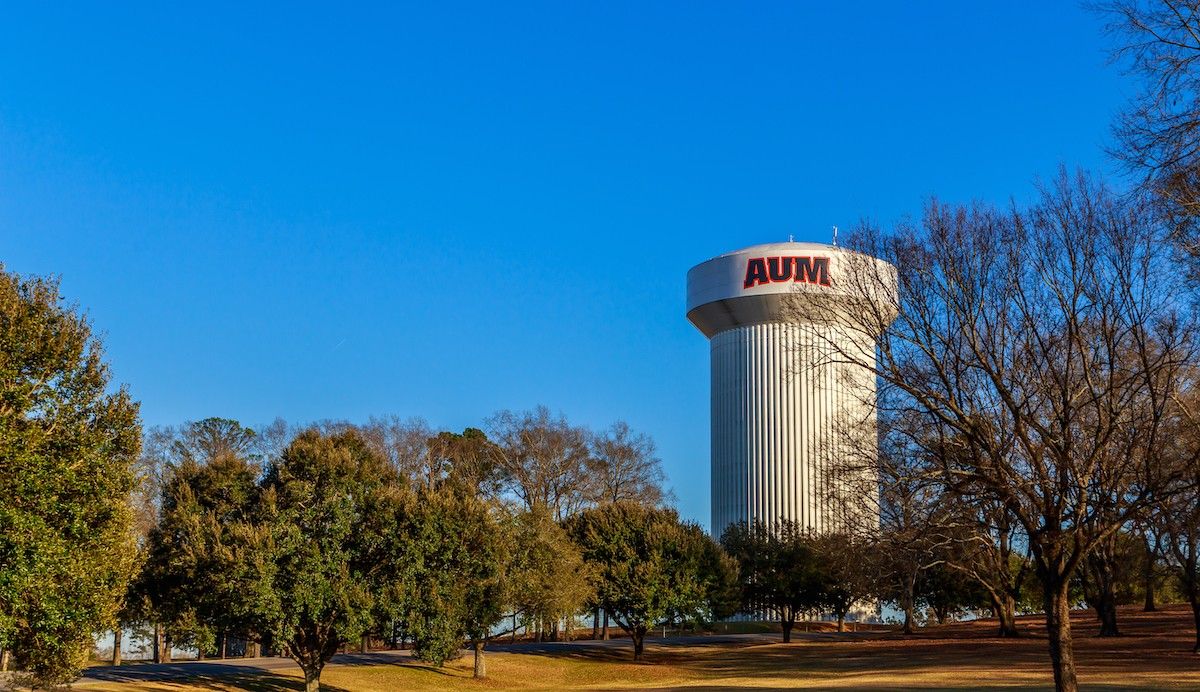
(719, 571)
(1109, 577)
(778, 570)
(548, 579)
(846, 572)
(190, 580)
(326, 546)
(205, 441)
(543, 459)
(1046, 344)
(466, 462)
(625, 467)
(151, 472)
(460, 554)
(913, 516)
(405, 444)
(646, 566)
(983, 546)
(1176, 518)
(68, 446)
(1158, 134)
(947, 592)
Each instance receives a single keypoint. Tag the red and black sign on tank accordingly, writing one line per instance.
(765, 270)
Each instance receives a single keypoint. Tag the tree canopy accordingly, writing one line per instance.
(68, 444)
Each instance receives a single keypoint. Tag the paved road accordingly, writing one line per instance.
(192, 670)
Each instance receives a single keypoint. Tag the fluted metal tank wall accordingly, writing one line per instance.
(780, 416)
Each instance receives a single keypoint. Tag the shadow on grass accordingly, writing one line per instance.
(201, 675)
(393, 660)
(966, 685)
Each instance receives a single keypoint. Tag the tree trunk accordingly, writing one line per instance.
(199, 652)
(480, 664)
(312, 678)
(1058, 627)
(513, 639)
(116, 657)
(252, 651)
(157, 643)
(638, 634)
(787, 629)
(1149, 606)
(1006, 614)
(604, 631)
(224, 645)
(841, 621)
(364, 645)
(1099, 570)
(168, 646)
(4, 656)
(1107, 610)
(596, 624)
(909, 602)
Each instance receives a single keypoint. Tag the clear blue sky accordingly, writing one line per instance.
(447, 209)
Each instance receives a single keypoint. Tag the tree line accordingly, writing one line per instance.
(302, 541)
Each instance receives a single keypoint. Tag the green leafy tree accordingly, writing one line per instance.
(326, 547)
(846, 570)
(547, 576)
(67, 448)
(778, 570)
(719, 570)
(191, 579)
(947, 592)
(646, 566)
(460, 552)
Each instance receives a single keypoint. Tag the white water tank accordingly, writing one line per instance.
(790, 412)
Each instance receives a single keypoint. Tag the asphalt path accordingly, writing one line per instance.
(218, 669)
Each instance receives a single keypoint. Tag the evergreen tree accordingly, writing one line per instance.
(327, 547)
(67, 448)
(459, 551)
(778, 570)
(646, 566)
(547, 576)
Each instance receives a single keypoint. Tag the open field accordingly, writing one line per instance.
(1153, 653)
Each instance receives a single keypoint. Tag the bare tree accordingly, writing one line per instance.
(913, 509)
(1158, 134)
(625, 468)
(984, 547)
(1048, 342)
(273, 438)
(404, 442)
(1176, 519)
(544, 460)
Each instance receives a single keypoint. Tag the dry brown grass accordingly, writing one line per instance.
(1154, 653)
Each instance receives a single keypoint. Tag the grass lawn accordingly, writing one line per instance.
(1153, 653)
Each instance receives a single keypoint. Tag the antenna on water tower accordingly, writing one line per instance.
(835, 236)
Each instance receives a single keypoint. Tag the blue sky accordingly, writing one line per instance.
(443, 209)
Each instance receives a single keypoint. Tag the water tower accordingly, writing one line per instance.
(788, 408)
